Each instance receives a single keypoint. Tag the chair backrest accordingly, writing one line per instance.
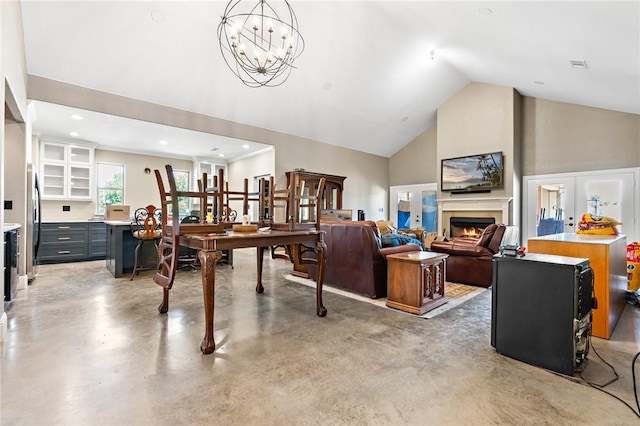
(300, 202)
(147, 221)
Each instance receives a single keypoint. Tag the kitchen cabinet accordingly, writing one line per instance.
(211, 169)
(66, 171)
(72, 241)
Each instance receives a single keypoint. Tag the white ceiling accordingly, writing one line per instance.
(365, 79)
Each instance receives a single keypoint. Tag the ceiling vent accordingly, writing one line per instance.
(579, 65)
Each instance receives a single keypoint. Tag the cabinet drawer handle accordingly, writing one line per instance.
(64, 227)
(64, 251)
(63, 238)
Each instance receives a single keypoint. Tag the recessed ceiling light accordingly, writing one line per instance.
(245, 146)
(485, 11)
(538, 82)
(578, 64)
(74, 134)
(405, 118)
(77, 117)
(163, 142)
(157, 16)
(220, 155)
(214, 149)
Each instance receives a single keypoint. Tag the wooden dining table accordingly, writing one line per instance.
(210, 247)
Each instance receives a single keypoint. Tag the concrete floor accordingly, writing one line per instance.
(87, 349)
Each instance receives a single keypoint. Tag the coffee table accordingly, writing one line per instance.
(415, 281)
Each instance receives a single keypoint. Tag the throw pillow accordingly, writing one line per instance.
(386, 227)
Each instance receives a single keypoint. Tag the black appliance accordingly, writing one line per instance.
(33, 227)
(541, 310)
(11, 264)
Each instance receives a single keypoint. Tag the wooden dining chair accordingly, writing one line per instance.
(169, 246)
(145, 227)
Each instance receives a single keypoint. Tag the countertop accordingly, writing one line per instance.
(569, 237)
(10, 226)
(73, 221)
(118, 222)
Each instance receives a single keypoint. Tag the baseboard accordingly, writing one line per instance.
(23, 282)
(3, 327)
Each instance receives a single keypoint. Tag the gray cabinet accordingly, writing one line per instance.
(72, 241)
(97, 240)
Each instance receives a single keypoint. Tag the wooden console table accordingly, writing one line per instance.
(210, 251)
(607, 257)
(415, 281)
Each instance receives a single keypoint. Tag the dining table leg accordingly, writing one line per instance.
(320, 250)
(208, 260)
(259, 263)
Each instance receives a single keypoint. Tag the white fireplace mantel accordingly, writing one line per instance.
(502, 204)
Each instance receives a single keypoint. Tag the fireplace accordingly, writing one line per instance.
(469, 227)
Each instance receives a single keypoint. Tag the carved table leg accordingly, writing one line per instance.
(208, 261)
(164, 306)
(320, 250)
(259, 261)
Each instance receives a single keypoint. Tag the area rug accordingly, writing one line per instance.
(456, 295)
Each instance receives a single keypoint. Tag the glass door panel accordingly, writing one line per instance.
(612, 195)
(403, 218)
(414, 206)
(429, 211)
(548, 207)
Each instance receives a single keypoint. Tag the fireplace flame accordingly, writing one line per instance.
(472, 232)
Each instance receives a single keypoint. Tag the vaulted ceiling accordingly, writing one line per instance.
(366, 79)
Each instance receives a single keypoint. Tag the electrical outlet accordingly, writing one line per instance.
(381, 209)
(66, 208)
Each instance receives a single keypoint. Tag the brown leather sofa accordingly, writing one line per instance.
(471, 262)
(355, 258)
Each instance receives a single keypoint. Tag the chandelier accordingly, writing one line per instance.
(258, 42)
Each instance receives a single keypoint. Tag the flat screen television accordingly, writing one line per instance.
(473, 173)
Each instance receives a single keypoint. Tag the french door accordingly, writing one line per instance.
(414, 206)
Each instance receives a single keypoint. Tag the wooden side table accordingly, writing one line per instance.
(415, 281)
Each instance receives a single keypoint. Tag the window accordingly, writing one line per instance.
(110, 182)
(182, 184)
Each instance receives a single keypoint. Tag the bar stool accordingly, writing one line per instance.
(146, 228)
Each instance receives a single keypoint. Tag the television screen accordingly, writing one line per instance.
(473, 173)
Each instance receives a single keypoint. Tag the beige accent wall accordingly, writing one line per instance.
(250, 168)
(561, 138)
(415, 163)
(367, 184)
(478, 119)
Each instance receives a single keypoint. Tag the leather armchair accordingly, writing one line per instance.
(471, 262)
(355, 259)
